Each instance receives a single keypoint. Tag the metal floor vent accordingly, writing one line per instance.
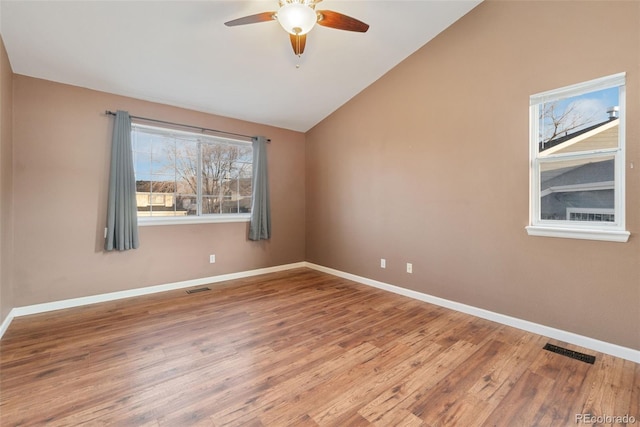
(570, 353)
(195, 291)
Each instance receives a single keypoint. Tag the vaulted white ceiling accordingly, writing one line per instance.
(181, 53)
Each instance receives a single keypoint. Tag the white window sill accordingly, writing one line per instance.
(204, 219)
(579, 233)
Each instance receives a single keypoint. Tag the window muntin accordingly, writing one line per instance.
(185, 176)
(577, 152)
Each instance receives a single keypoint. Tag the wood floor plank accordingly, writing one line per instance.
(562, 402)
(370, 379)
(634, 404)
(624, 387)
(239, 411)
(601, 388)
(299, 348)
(404, 394)
(522, 405)
(434, 405)
(509, 367)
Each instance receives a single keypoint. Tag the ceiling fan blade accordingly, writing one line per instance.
(252, 19)
(298, 42)
(337, 20)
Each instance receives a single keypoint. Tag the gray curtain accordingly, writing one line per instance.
(122, 216)
(260, 226)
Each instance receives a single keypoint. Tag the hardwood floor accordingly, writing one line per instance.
(295, 348)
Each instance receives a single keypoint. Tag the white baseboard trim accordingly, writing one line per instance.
(111, 296)
(558, 334)
(6, 322)
(569, 337)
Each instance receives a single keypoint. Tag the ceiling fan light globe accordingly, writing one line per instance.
(297, 18)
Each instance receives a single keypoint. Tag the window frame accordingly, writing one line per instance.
(199, 218)
(607, 231)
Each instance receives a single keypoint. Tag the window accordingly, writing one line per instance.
(577, 161)
(578, 214)
(190, 177)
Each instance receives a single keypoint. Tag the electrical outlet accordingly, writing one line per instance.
(409, 267)
(383, 263)
(212, 259)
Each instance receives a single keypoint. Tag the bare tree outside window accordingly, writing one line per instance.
(225, 169)
(557, 120)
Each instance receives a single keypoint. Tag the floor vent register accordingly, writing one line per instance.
(196, 290)
(570, 353)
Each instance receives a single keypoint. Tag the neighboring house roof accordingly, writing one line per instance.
(572, 138)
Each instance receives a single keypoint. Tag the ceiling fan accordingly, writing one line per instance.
(298, 17)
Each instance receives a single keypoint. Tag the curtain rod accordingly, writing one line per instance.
(111, 113)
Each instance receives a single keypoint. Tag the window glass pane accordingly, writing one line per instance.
(162, 162)
(186, 204)
(141, 147)
(141, 142)
(245, 180)
(162, 183)
(244, 205)
(230, 206)
(210, 205)
(214, 166)
(571, 190)
(186, 186)
(142, 166)
(245, 154)
(210, 185)
(158, 193)
(186, 165)
(579, 123)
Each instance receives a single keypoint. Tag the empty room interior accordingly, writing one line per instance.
(392, 213)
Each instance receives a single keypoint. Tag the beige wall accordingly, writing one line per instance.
(61, 153)
(429, 165)
(6, 171)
